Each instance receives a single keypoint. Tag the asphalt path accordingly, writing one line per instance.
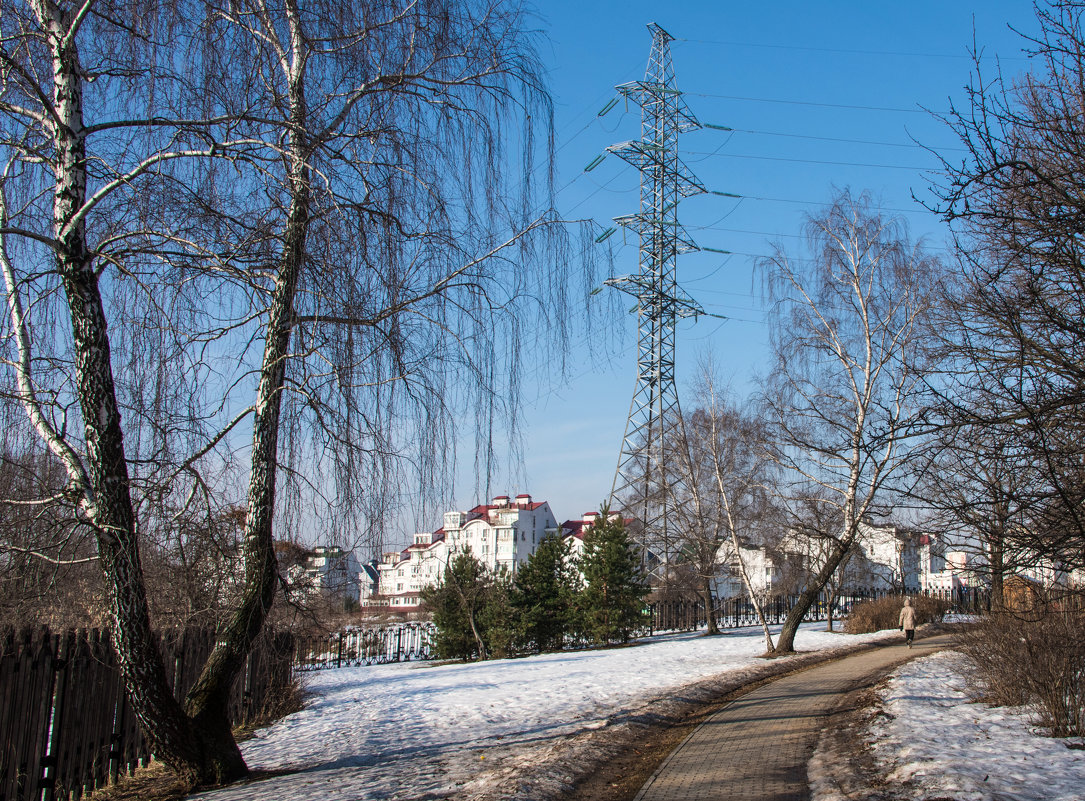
(757, 747)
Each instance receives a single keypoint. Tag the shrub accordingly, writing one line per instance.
(1035, 658)
(883, 613)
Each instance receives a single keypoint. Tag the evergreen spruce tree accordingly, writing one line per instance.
(545, 593)
(458, 602)
(502, 628)
(612, 601)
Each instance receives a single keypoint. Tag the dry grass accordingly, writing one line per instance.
(152, 783)
(156, 783)
(280, 702)
(883, 613)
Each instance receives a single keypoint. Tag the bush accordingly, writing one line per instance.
(1035, 658)
(883, 613)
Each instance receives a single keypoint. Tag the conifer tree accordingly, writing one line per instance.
(458, 602)
(502, 626)
(544, 594)
(615, 585)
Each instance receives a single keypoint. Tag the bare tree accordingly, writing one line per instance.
(726, 471)
(1014, 329)
(978, 495)
(293, 221)
(840, 400)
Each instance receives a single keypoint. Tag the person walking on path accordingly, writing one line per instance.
(907, 621)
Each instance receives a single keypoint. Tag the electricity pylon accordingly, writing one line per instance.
(644, 482)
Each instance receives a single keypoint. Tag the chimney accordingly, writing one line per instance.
(523, 500)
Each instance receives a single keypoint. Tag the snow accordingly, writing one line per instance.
(933, 742)
(423, 731)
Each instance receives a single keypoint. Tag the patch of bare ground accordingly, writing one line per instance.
(843, 767)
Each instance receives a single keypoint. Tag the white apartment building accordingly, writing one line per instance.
(501, 535)
(885, 557)
(761, 566)
(963, 570)
(332, 571)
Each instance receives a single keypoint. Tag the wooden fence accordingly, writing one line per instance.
(66, 726)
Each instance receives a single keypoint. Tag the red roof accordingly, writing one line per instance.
(482, 510)
(573, 528)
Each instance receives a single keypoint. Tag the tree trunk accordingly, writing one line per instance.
(207, 700)
(769, 648)
(785, 642)
(710, 613)
(998, 570)
(107, 501)
(479, 643)
(833, 593)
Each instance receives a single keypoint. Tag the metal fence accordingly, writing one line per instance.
(411, 642)
(66, 726)
(739, 612)
(406, 642)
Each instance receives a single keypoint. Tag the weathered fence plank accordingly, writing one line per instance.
(66, 727)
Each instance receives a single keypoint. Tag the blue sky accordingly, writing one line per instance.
(795, 80)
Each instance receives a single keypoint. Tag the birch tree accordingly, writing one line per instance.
(295, 224)
(727, 473)
(842, 395)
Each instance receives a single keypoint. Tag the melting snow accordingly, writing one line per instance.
(938, 744)
(421, 731)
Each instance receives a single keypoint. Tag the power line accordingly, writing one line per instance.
(912, 145)
(849, 51)
(813, 103)
(819, 203)
(810, 161)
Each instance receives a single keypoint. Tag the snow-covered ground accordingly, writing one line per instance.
(420, 731)
(934, 743)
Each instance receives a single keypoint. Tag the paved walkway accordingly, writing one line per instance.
(756, 748)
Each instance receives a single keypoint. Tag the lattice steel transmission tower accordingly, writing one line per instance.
(644, 482)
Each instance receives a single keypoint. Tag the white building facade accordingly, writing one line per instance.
(501, 535)
(762, 567)
(331, 571)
